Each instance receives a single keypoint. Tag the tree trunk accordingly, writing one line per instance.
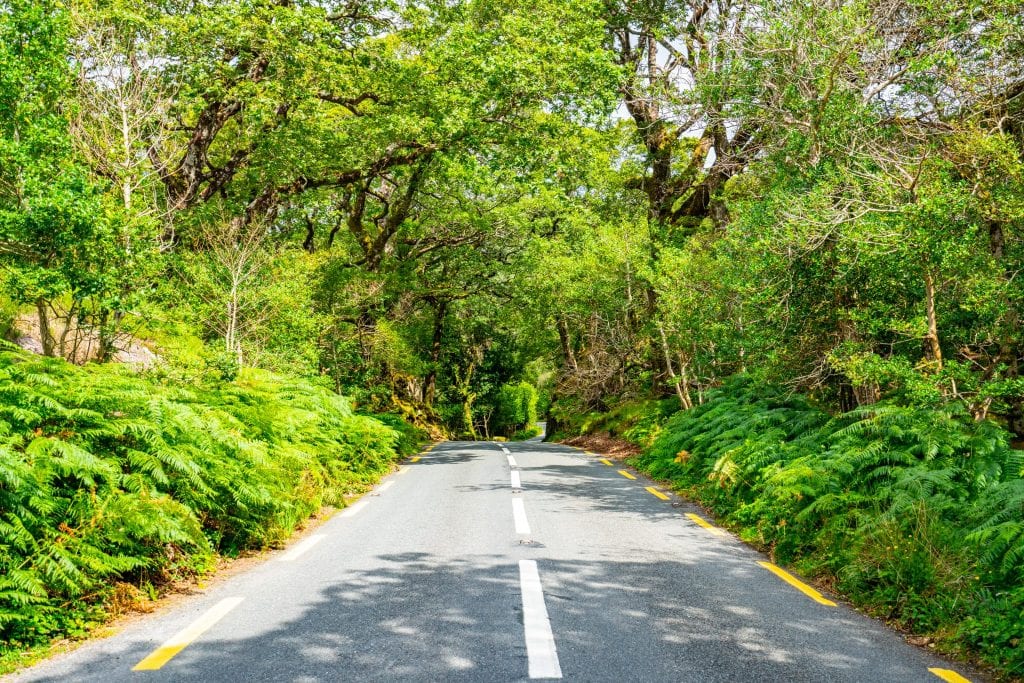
(232, 342)
(62, 343)
(684, 382)
(932, 337)
(467, 414)
(487, 426)
(45, 332)
(996, 239)
(430, 383)
(106, 338)
(667, 357)
(463, 384)
(309, 243)
(566, 341)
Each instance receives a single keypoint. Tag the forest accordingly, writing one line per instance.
(254, 251)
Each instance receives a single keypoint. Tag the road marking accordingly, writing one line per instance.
(700, 521)
(183, 638)
(504, 450)
(519, 515)
(797, 583)
(626, 474)
(511, 461)
(656, 493)
(402, 470)
(301, 547)
(951, 676)
(517, 483)
(415, 458)
(353, 509)
(607, 462)
(384, 487)
(540, 641)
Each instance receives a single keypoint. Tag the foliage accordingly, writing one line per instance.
(916, 512)
(516, 408)
(638, 422)
(111, 476)
(441, 209)
(409, 438)
(525, 434)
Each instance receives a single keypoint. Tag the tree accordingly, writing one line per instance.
(57, 236)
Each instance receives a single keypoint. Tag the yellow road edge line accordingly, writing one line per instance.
(184, 638)
(948, 675)
(797, 583)
(701, 522)
(425, 451)
(419, 456)
(626, 474)
(608, 462)
(656, 493)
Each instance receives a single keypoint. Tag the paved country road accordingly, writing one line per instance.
(480, 565)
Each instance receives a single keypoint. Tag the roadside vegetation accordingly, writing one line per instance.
(243, 244)
(114, 484)
(911, 512)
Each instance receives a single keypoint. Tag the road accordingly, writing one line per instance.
(475, 564)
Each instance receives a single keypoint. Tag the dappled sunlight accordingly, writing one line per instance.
(631, 586)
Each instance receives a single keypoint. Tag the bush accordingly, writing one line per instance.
(410, 437)
(108, 476)
(918, 512)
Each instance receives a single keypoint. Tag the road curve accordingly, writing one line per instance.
(495, 562)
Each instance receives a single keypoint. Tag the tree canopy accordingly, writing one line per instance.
(424, 202)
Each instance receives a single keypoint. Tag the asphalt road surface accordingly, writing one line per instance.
(494, 562)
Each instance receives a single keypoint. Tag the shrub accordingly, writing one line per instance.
(917, 511)
(107, 476)
(410, 437)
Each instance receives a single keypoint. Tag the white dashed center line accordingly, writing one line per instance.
(516, 481)
(353, 509)
(301, 547)
(511, 461)
(540, 641)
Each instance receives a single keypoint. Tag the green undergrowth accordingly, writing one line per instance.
(111, 479)
(638, 422)
(914, 512)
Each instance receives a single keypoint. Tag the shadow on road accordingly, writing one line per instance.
(704, 615)
(419, 617)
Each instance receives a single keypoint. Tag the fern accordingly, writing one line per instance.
(105, 474)
(1000, 533)
(903, 503)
